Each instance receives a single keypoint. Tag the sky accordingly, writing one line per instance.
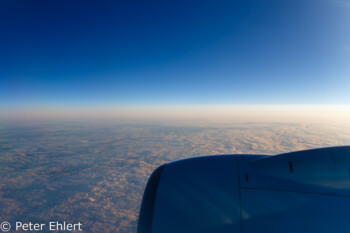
(166, 53)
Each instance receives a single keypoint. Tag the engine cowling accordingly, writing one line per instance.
(305, 191)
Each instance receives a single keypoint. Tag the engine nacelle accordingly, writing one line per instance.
(305, 191)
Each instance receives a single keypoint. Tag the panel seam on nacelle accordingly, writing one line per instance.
(240, 195)
(292, 191)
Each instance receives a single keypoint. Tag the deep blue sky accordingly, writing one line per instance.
(58, 53)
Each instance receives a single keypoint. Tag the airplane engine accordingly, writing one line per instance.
(304, 191)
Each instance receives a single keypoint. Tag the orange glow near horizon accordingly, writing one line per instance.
(335, 114)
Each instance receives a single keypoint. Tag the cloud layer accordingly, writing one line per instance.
(95, 172)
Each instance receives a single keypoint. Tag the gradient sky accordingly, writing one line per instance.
(82, 53)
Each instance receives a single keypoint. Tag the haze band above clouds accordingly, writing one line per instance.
(339, 114)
